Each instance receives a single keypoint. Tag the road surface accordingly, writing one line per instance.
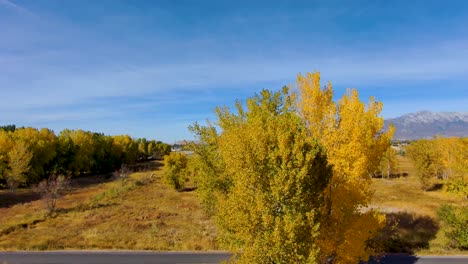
(407, 259)
(111, 257)
(120, 257)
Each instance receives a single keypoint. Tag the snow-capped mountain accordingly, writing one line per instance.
(427, 124)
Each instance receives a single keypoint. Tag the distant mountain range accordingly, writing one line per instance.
(427, 124)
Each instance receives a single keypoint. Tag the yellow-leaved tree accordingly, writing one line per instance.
(453, 153)
(351, 133)
(5, 146)
(444, 158)
(19, 159)
(266, 177)
(43, 144)
(389, 163)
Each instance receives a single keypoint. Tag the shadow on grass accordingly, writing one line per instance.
(8, 198)
(57, 212)
(82, 208)
(407, 233)
(435, 187)
(22, 225)
(143, 166)
(90, 180)
(84, 181)
(188, 189)
(404, 234)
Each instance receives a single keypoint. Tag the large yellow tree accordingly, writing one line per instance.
(266, 178)
(5, 146)
(42, 144)
(453, 153)
(269, 180)
(19, 159)
(351, 133)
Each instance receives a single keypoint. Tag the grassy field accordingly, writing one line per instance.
(145, 214)
(141, 213)
(412, 213)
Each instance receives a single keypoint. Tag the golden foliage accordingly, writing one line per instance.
(389, 163)
(445, 158)
(275, 204)
(351, 133)
(19, 159)
(175, 165)
(269, 210)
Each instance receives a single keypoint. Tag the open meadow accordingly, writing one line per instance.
(143, 213)
(138, 213)
(413, 224)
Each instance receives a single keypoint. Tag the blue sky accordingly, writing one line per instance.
(151, 68)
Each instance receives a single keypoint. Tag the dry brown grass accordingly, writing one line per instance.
(141, 214)
(148, 215)
(405, 194)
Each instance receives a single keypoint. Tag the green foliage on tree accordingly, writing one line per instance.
(458, 186)
(175, 165)
(128, 148)
(456, 220)
(426, 161)
(150, 149)
(160, 149)
(8, 128)
(66, 152)
(267, 177)
(208, 167)
(250, 164)
(71, 153)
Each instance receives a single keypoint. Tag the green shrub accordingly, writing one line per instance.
(175, 165)
(457, 186)
(456, 221)
(112, 193)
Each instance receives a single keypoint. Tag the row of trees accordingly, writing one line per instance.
(442, 158)
(28, 155)
(287, 175)
(389, 166)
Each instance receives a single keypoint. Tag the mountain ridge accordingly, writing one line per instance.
(427, 124)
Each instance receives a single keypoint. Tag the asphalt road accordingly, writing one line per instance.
(406, 259)
(110, 257)
(117, 257)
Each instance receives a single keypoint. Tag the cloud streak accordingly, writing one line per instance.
(121, 68)
(52, 85)
(16, 8)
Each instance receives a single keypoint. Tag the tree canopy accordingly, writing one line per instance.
(354, 141)
(269, 208)
(444, 158)
(28, 155)
(288, 175)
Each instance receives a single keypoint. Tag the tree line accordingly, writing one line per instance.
(441, 158)
(288, 174)
(29, 155)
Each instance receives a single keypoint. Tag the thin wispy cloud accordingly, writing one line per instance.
(15, 7)
(130, 63)
(69, 86)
